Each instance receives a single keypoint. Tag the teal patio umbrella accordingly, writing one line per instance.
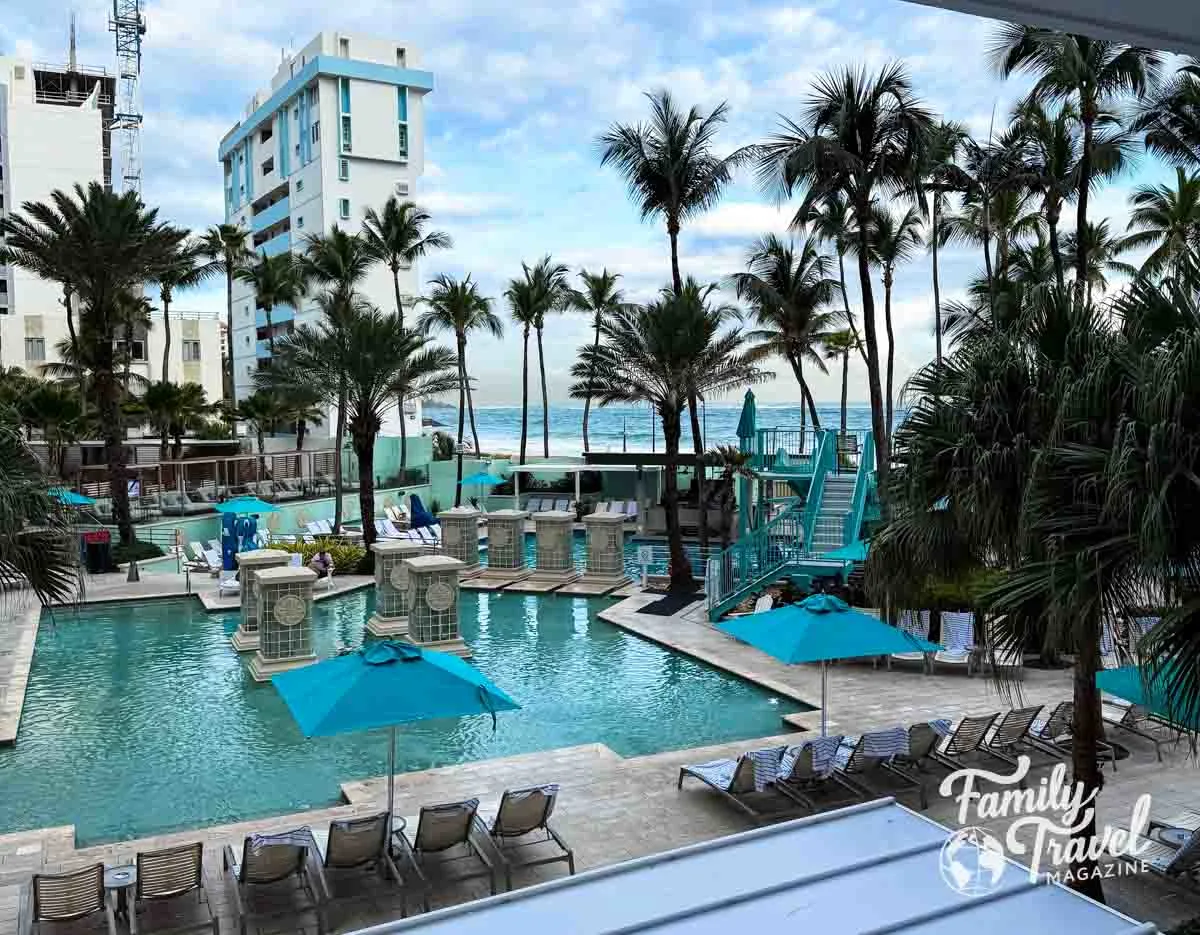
(70, 497)
(245, 505)
(481, 479)
(820, 628)
(1136, 686)
(856, 551)
(382, 685)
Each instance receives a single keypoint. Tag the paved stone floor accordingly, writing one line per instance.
(612, 808)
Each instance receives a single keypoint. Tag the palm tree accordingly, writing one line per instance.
(276, 280)
(787, 287)
(37, 547)
(937, 176)
(117, 244)
(831, 223)
(894, 240)
(225, 246)
(734, 463)
(54, 409)
(1092, 73)
(838, 346)
(669, 166)
(459, 308)
(369, 352)
(265, 410)
(859, 137)
(1170, 117)
(186, 268)
(174, 409)
(1102, 250)
(522, 307)
(598, 298)
(1167, 219)
(656, 353)
(398, 238)
(543, 289)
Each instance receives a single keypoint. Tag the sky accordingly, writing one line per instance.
(521, 94)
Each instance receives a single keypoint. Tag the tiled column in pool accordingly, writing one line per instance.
(433, 603)
(391, 586)
(605, 556)
(554, 533)
(285, 621)
(460, 538)
(506, 551)
(245, 639)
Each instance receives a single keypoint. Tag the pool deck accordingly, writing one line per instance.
(613, 808)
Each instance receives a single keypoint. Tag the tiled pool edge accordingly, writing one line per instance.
(19, 636)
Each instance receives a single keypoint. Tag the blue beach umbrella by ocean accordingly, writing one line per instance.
(70, 497)
(241, 505)
(481, 479)
(386, 684)
(822, 628)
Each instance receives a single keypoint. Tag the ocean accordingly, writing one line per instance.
(626, 428)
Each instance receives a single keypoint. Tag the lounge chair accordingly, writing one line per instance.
(391, 530)
(1011, 734)
(175, 503)
(355, 847)
(748, 782)
(603, 507)
(67, 897)
(807, 768)
(430, 535)
(631, 511)
(914, 624)
(958, 636)
(1108, 647)
(1052, 734)
(1170, 849)
(444, 848)
(1133, 719)
(227, 582)
(398, 515)
(212, 558)
(764, 603)
(215, 545)
(563, 506)
(314, 529)
(523, 821)
(968, 737)
(911, 764)
(275, 865)
(171, 880)
(533, 505)
(863, 760)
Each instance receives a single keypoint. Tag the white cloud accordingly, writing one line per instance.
(743, 219)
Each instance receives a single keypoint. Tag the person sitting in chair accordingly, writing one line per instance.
(322, 563)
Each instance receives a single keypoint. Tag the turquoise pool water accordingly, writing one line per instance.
(141, 718)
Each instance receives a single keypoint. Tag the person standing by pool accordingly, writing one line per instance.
(322, 563)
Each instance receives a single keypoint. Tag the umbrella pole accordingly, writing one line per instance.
(824, 685)
(391, 778)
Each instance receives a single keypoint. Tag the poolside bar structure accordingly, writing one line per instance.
(433, 594)
(246, 638)
(391, 586)
(506, 551)
(554, 532)
(285, 625)
(576, 470)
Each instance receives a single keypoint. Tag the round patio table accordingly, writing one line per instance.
(121, 880)
(1173, 837)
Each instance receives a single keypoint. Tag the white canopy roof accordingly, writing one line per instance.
(868, 868)
(549, 467)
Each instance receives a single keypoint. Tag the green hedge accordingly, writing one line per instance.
(346, 557)
(139, 552)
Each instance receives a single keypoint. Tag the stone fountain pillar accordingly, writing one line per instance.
(555, 558)
(605, 556)
(460, 538)
(391, 586)
(433, 603)
(245, 639)
(506, 551)
(285, 604)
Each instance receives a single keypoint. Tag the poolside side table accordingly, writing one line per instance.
(121, 880)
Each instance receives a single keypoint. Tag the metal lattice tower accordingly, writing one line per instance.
(128, 26)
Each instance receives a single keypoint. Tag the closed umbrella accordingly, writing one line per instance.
(818, 629)
(383, 685)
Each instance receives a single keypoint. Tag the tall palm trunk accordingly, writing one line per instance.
(987, 257)
(673, 235)
(1082, 247)
(1052, 215)
(841, 255)
(888, 280)
(470, 399)
(363, 441)
(339, 433)
(128, 353)
(805, 393)
(701, 492)
(162, 440)
(462, 411)
(845, 385)
(270, 332)
(873, 385)
(166, 367)
(587, 400)
(399, 304)
(680, 568)
(229, 324)
(524, 392)
(1086, 731)
(400, 396)
(109, 406)
(545, 395)
(937, 293)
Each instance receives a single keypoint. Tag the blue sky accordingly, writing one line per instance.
(521, 92)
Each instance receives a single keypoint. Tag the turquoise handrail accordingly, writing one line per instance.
(763, 552)
(824, 461)
(862, 480)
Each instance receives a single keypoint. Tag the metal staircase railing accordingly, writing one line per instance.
(754, 557)
(862, 481)
(824, 461)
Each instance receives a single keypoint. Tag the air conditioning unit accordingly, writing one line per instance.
(401, 188)
(19, 72)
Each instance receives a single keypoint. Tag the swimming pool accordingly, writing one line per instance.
(140, 718)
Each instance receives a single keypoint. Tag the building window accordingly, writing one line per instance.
(344, 170)
(247, 339)
(296, 112)
(139, 350)
(401, 59)
(402, 104)
(299, 185)
(268, 166)
(346, 147)
(404, 140)
(3, 287)
(35, 349)
(265, 135)
(344, 208)
(344, 96)
(300, 222)
(191, 350)
(316, 131)
(344, 48)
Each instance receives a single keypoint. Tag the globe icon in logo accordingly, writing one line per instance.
(972, 862)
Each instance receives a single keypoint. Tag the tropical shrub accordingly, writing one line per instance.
(136, 551)
(346, 557)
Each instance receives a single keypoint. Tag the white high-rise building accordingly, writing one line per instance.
(340, 130)
(53, 135)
